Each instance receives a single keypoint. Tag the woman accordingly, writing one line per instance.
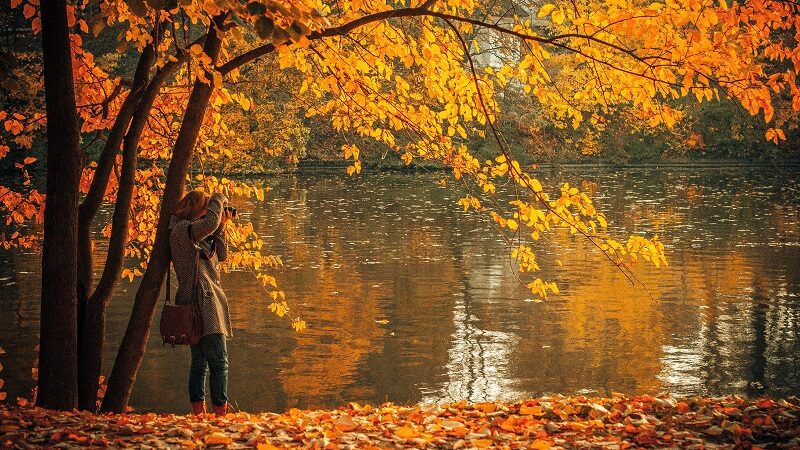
(198, 225)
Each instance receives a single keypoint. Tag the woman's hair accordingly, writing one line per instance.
(191, 205)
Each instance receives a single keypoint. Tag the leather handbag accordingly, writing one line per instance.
(182, 324)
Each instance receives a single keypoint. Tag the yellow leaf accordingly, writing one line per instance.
(559, 16)
(545, 10)
(406, 432)
(298, 325)
(280, 309)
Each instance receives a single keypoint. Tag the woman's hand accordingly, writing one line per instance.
(226, 215)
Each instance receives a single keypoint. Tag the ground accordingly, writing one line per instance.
(546, 422)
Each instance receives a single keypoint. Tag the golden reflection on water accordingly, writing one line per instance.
(407, 299)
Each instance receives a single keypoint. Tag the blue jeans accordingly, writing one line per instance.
(210, 353)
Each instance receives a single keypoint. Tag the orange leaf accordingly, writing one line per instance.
(267, 446)
(765, 403)
(531, 410)
(28, 11)
(217, 439)
(482, 443)
(406, 432)
(486, 407)
(539, 444)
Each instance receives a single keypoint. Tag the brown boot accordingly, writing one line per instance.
(198, 408)
(220, 410)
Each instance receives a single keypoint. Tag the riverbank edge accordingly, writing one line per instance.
(540, 423)
(340, 166)
(334, 167)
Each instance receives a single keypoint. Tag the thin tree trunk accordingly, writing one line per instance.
(57, 385)
(131, 352)
(105, 163)
(91, 349)
(87, 389)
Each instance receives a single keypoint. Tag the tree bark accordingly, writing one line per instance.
(134, 343)
(86, 214)
(105, 163)
(91, 348)
(57, 384)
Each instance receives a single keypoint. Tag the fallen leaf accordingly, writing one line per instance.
(406, 432)
(531, 410)
(217, 439)
(345, 423)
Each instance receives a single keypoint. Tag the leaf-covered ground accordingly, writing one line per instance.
(547, 422)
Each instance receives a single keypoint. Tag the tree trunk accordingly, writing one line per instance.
(91, 349)
(87, 378)
(86, 214)
(105, 164)
(131, 352)
(57, 385)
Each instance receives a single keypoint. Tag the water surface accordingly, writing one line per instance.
(408, 299)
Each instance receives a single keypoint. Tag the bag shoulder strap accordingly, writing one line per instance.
(189, 232)
(169, 270)
(195, 244)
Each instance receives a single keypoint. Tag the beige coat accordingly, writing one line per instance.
(213, 302)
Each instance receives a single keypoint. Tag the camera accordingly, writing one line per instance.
(231, 209)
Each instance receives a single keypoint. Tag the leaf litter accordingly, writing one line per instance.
(553, 422)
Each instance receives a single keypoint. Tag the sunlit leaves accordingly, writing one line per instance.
(540, 287)
(470, 202)
(636, 248)
(130, 274)
(298, 325)
(526, 260)
(545, 10)
(775, 135)
(279, 308)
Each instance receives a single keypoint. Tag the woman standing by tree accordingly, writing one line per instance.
(198, 225)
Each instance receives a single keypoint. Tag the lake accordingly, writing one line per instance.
(409, 299)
